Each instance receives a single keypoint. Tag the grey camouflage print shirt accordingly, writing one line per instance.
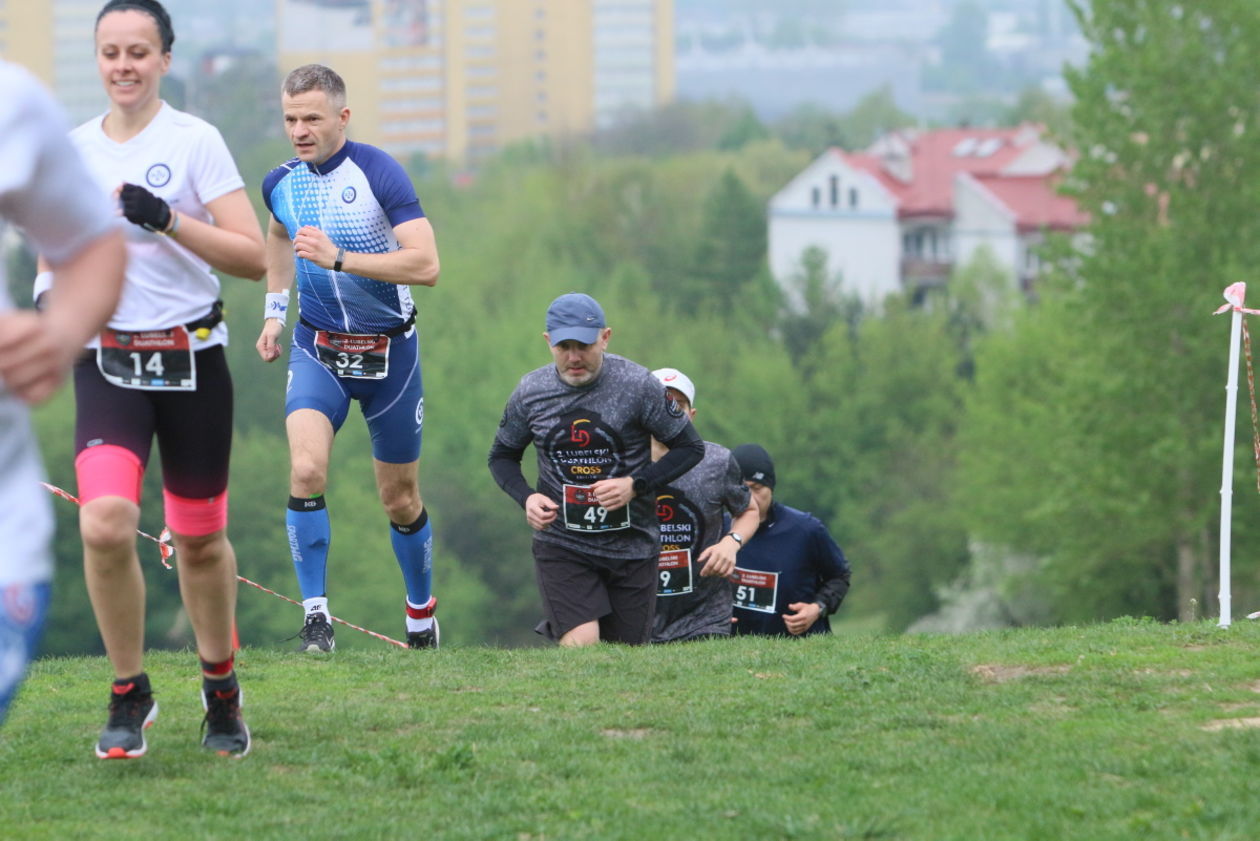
(690, 511)
(582, 434)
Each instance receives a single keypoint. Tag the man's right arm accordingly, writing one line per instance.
(505, 467)
(280, 274)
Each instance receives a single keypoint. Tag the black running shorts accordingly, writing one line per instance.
(576, 589)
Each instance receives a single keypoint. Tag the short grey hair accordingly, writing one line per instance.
(316, 77)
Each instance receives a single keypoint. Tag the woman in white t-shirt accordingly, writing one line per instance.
(159, 370)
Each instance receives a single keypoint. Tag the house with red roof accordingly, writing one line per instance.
(899, 216)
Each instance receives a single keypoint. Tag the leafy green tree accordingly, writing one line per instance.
(811, 127)
(1035, 105)
(1093, 440)
(731, 251)
(878, 439)
(816, 302)
(874, 115)
(243, 101)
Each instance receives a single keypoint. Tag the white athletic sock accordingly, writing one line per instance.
(316, 605)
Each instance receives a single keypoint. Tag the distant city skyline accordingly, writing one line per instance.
(776, 56)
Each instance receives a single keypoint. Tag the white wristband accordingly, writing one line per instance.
(277, 305)
(43, 282)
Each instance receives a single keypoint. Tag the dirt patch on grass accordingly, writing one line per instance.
(635, 733)
(1231, 724)
(997, 673)
(1234, 708)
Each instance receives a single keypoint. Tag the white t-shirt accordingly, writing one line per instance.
(182, 159)
(41, 192)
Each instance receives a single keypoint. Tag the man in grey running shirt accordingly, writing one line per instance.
(694, 593)
(591, 416)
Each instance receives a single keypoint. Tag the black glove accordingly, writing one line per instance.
(145, 209)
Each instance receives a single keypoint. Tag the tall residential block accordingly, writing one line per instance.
(53, 39)
(462, 78)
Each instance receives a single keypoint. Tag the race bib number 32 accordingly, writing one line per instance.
(353, 355)
(756, 590)
(150, 360)
(582, 512)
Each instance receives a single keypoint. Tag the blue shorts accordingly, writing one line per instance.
(22, 611)
(393, 406)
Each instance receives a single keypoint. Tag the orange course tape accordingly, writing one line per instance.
(166, 550)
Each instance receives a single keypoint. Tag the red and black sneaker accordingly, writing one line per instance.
(223, 729)
(131, 711)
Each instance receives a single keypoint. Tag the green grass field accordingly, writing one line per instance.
(1129, 730)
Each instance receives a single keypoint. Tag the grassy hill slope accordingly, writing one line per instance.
(1119, 731)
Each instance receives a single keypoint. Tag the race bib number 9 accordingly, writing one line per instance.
(756, 590)
(674, 571)
(150, 360)
(582, 512)
(353, 355)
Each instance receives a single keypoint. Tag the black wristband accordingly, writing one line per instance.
(341, 255)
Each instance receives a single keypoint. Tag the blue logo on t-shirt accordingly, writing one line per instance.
(158, 175)
(348, 195)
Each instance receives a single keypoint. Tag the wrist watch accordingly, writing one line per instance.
(822, 608)
(640, 486)
(733, 536)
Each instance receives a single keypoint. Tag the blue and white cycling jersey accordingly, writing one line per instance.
(357, 197)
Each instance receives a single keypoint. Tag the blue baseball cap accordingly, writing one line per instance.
(575, 316)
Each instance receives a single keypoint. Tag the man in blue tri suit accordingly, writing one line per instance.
(346, 224)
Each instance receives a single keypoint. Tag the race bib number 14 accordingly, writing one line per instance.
(149, 360)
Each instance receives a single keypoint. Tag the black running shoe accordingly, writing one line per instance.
(130, 712)
(223, 729)
(316, 634)
(424, 639)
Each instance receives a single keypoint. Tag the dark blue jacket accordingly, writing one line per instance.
(791, 559)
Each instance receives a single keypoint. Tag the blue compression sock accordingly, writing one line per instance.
(413, 546)
(309, 533)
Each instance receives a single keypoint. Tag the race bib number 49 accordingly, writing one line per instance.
(756, 590)
(353, 355)
(149, 360)
(674, 570)
(582, 512)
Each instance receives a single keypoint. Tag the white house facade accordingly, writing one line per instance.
(901, 215)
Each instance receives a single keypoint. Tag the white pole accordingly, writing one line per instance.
(1227, 461)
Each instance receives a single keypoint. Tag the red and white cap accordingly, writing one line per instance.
(677, 380)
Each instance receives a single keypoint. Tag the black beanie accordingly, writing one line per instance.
(755, 464)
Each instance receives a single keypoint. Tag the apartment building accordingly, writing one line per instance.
(462, 78)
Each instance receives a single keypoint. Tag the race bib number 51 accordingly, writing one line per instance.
(149, 360)
(756, 590)
(582, 512)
